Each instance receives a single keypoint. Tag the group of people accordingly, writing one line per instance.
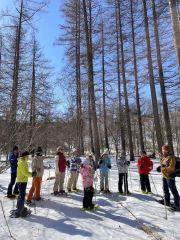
(86, 168)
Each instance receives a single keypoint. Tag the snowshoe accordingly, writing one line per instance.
(161, 201)
(12, 196)
(93, 208)
(174, 208)
(30, 203)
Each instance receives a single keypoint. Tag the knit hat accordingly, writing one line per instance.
(166, 148)
(39, 150)
(15, 148)
(25, 153)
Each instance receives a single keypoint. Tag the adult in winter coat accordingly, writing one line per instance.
(167, 168)
(104, 166)
(145, 165)
(13, 159)
(74, 167)
(22, 179)
(86, 172)
(60, 169)
(122, 165)
(37, 165)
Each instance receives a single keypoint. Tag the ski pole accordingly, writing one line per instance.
(49, 182)
(130, 178)
(153, 183)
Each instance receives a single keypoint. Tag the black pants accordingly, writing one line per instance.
(170, 184)
(21, 197)
(88, 196)
(123, 177)
(11, 184)
(145, 184)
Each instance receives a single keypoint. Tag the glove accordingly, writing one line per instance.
(109, 166)
(34, 174)
(158, 169)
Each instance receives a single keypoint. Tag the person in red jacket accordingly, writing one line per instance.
(60, 168)
(145, 165)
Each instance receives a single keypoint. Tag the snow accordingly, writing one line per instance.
(61, 218)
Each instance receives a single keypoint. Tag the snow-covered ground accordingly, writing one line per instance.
(60, 218)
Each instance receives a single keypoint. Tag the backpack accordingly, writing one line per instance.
(177, 167)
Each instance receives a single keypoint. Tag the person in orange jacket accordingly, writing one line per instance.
(145, 165)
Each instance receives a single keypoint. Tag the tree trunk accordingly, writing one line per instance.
(136, 81)
(80, 140)
(151, 80)
(121, 117)
(128, 119)
(176, 29)
(91, 82)
(33, 94)
(104, 90)
(161, 79)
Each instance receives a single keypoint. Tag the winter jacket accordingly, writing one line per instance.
(168, 166)
(104, 165)
(86, 172)
(75, 164)
(22, 170)
(122, 165)
(13, 162)
(37, 165)
(60, 161)
(145, 165)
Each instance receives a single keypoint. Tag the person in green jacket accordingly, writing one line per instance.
(22, 179)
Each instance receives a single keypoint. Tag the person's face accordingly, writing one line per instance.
(15, 152)
(165, 153)
(61, 150)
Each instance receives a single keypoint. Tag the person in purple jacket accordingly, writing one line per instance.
(13, 164)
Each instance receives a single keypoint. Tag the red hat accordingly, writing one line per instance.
(166, 148)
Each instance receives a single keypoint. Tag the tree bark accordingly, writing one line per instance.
(104, 89)
(176, 29)
(128, 119)
(161, 79)
(91, 82)
(136, 81)
(151, 81)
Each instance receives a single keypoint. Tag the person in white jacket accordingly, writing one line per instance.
(37, 165)
(122, 165)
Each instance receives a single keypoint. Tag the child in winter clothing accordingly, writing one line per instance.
(145, 165)
(37, 165)
(167, 167)
(13, 163)
(60, 169)
(22, 178)
(74, 167)
(122, 165)
(86, 172)
(104, 166)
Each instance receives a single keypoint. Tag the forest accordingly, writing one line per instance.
(121, 77)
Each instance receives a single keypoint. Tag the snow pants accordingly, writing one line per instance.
(11, 184)
(123, 178)
(59, 182)
(104, 183)
(145, 184)
(35, 188)
(72, 182)
(88, 196)
(170, 184)
(21, 197)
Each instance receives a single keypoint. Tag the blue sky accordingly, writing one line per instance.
(47, 24)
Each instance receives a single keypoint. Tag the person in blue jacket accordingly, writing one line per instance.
(104, 166)
(13, 164)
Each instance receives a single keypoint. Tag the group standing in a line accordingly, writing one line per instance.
(87, 168)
